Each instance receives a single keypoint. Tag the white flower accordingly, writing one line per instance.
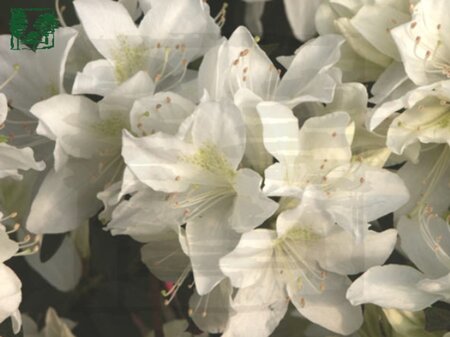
(240, 63)
(366, 26)
(240, 70)
(88, 147)
(304, 261)
(426, 118)
(319, 157)
(10, 290)
(423, 42)
(169, 37)
(424, 238)
(199, 167)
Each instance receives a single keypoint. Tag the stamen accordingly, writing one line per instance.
(59, 11)
(16, 68)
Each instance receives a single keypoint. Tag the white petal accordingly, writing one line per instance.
(246, 263)
(183, 22)
(325, 141)
(163, 112)
(340, 253)
(104, 21)
(153, 160)
(280, 131)
(220, 124)
(391, 286)
(250, 206)
(373, 21)
(66, 198)
(301, 15)
(97, 77)
(440, 287)
(10, 292)
(62, 270)
(3, 108)
(360, 194)
(39, 75)
(256, 157)
(209, 239)
(210, 312)
(146, 213)
(415, 245)
(329, 308)
(8, 247)
(258, 309)
(72, 120)
(13, 159)
(308, 71)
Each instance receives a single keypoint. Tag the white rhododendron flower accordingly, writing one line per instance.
(199, 168)
(319, 155)
(305, 260)
(167, 39)
(423, 42)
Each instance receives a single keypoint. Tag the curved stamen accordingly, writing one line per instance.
(16, 68)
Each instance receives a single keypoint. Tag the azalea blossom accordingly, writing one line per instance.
(240, 70)
(87, 153)
(319, 155)
(423, 42)
(424, 238)
(366, 26)
(305, 261)
(199, 168)
(425, 119)
(167, 39)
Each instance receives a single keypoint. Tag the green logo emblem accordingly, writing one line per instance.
(32, 28)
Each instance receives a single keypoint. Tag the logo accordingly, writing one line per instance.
(32, 28)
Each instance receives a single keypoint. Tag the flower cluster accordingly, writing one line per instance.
(257, 184)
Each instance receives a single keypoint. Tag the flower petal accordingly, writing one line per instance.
(246, 263)
(391, 286)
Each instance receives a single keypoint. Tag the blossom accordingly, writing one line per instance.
(423, 44)
(366, 26)
(239, 69)
(88, 138)
(319, 156)
(305, 261)
(413, 126)
(199, 168)
(168, 38)
(424, 238)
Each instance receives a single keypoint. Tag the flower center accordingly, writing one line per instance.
(211, 159)
(111, 126)
(291, 260)
(128, 59)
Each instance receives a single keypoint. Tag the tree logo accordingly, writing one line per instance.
(38, 35)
